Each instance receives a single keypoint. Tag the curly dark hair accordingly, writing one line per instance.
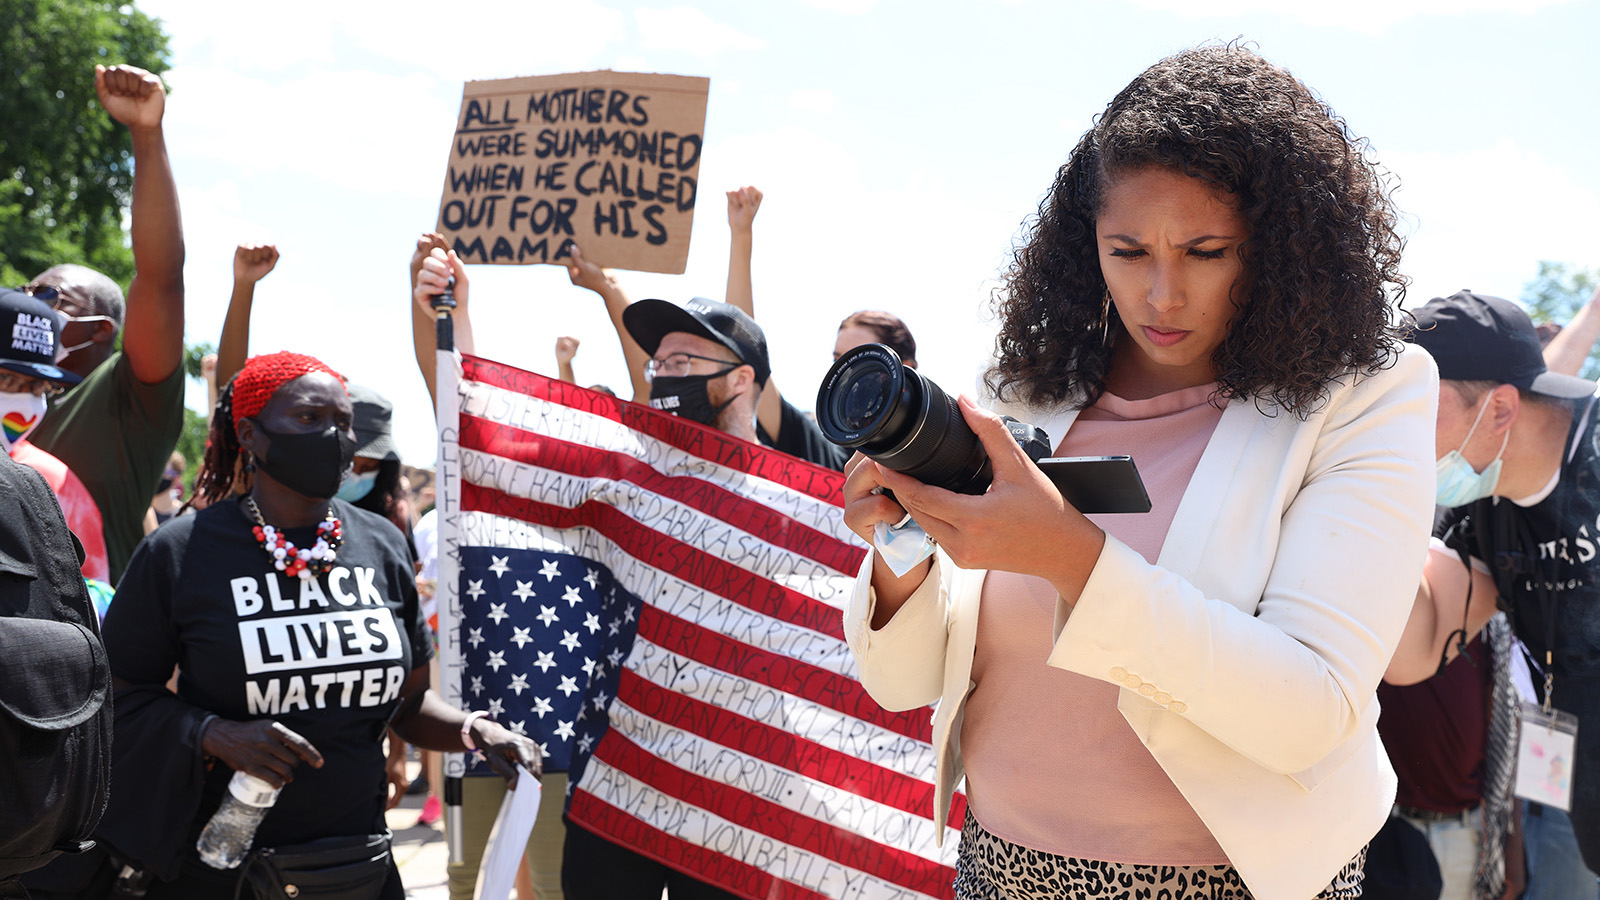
(1322, 286)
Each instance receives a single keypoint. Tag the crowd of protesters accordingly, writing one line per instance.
(1184, 702)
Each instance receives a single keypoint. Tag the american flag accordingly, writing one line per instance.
(658, 605)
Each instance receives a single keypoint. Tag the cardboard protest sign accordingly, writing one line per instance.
(610, 160)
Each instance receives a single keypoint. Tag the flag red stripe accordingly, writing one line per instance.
(584, 461)
(691, 437)
(594, 814)
(661, 552)
(848, 848)
(783, 748)
(717, 650)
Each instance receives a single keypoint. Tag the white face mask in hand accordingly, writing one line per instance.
(1458, 483)
(20, 414)
(902, 545)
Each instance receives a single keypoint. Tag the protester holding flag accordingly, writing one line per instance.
(293, 620)
(1181, 701)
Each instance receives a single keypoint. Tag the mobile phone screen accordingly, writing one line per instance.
(1098, 484)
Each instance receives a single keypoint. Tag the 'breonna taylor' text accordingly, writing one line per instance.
(347, 626)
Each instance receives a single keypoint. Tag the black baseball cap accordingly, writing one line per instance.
(30, 335)
(372, 423)
(651, 320)
(1474, 337)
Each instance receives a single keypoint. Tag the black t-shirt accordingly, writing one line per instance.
(799, 436)
(1545, 559)
(325, 657)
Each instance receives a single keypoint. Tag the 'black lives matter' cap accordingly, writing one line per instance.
(651, 320)
(30, 334)
(1478, 338)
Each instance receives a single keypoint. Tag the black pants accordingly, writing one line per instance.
(593, 868)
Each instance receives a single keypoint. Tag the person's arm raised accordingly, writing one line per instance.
(152, 331)
(742, 207)
(587, 274)
(566, 349)
(432, 267)
(251, 263)
(1567, 351)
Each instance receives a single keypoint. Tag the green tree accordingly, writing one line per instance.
(65, 167)
(1556, 294)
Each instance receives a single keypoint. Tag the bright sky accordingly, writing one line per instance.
(900, 144)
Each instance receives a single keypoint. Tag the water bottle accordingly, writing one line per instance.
(226, 838)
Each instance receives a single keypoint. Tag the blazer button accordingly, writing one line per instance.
(1147, 689)
(1163, 698)
(1119, 674)
(1132, 681)
(1178, 706)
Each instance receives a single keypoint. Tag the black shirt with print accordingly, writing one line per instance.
(325, 657)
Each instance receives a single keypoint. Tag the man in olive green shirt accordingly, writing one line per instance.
(117, 428)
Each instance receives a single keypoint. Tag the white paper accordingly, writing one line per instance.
(1545, 757)
(508, 839)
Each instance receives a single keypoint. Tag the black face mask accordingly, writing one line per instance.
(310, 464)
(686, 397)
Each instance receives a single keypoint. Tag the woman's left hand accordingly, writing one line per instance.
(506, 752)
(1021, 524)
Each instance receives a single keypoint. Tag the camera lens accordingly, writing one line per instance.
(872, 402)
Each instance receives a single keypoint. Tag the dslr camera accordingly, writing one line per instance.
(872, 402)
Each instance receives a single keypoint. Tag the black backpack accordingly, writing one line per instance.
(55, 683)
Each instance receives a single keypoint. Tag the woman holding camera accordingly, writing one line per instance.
(1180, 701)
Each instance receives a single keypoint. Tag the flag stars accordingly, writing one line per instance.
(616, 657)
(497, 707)
(524, 591)
(520, 727)
(543, 752)
(497, 612)
(629, 612)
(519, 683)
(600, 700)
(477, 685)
(614, 626)
(593, 578)
(541, 705)
(588, 666)
(549, 569)
(570, 641)
(568, 686)
(497, 658)
(564, 730)
(547, 615)
(474, 637)
(520, 636)
(546, 660)
(585, 745)
(572, 596)
(591, 622)
(475, 589)
(502, 565)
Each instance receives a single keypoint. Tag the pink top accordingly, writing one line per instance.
(1051, 764)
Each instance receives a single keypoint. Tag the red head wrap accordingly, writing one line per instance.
(263, 375)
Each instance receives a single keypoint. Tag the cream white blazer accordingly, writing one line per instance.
(1250, 653)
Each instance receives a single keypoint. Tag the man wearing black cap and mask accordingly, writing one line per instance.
(708, 361)
(1519, 473)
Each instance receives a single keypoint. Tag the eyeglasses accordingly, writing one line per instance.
(58, 299)
(43, 292)
(17, 383)
(676, 365)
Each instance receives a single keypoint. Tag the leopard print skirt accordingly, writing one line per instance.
(992, 868)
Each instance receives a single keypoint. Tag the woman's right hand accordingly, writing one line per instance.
(263, 748)
(865, 505)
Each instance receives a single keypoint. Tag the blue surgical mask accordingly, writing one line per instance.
(1457, 482)
(354, 486)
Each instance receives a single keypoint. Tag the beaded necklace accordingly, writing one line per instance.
(306, 563)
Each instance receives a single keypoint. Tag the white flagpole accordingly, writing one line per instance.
(447, 371)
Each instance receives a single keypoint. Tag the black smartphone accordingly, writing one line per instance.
(1098, 484)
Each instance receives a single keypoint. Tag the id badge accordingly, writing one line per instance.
(1546, 745)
